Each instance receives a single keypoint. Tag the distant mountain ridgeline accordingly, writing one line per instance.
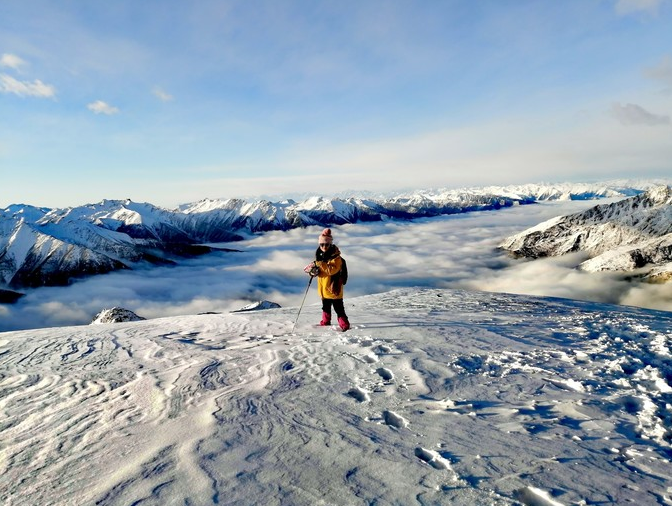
(40, 246)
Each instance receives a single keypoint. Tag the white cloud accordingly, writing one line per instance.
(499, 152)
(100, 107)
(37, 88)
(624, 7)
(162, 95)
(633, 114)
(12, 61)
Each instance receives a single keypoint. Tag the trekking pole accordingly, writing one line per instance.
(301, 306)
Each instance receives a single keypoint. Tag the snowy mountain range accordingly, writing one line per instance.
(633, 234)
(40, 246)
(434, 397)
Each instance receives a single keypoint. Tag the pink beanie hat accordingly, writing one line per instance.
(325, 236)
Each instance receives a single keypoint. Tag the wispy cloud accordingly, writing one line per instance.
(162, 95)
(11, 61)
(100, 107)
(624, 7)
(11, 85)
(36, 88)
(633, 114)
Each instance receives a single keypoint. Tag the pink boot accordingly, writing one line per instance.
(326, 319)
(344, 324)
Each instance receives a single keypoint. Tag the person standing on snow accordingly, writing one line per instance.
(327, 268)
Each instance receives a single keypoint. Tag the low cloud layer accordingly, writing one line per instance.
(448, 252)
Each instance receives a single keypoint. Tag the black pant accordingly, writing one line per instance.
(338, 307)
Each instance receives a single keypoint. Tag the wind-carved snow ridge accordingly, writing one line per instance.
(50, 247)
(634, 234)
(435, 397)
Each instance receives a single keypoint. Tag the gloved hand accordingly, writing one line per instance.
(311, 269)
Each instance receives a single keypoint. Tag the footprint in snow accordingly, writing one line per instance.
(385, 373)
(535, 496)
(384, 349)
(359, 394)
(432, 458)
(361, 341)
(370, 358)
(394, 420)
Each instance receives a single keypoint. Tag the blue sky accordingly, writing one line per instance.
(170, 101)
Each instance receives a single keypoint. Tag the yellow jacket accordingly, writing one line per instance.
(328, 285)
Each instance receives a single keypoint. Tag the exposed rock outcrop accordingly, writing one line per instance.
(116, 315)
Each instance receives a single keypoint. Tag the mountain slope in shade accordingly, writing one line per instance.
(628, 235)
(434, 397)
(9, 296)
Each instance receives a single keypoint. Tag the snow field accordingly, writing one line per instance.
(442, 397)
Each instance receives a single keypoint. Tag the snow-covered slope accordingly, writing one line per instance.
(30, 257)
(45, 247)
(50, 247)
(626, 235)
(434, 397)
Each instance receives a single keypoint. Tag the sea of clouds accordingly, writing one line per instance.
(457, 251)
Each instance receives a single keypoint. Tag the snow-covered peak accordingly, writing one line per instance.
(209, 205)
(116, 315)
(660, 195)
(316, 203)
(28, 213)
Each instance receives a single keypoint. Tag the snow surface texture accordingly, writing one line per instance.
(434, 397)
(629, 235)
